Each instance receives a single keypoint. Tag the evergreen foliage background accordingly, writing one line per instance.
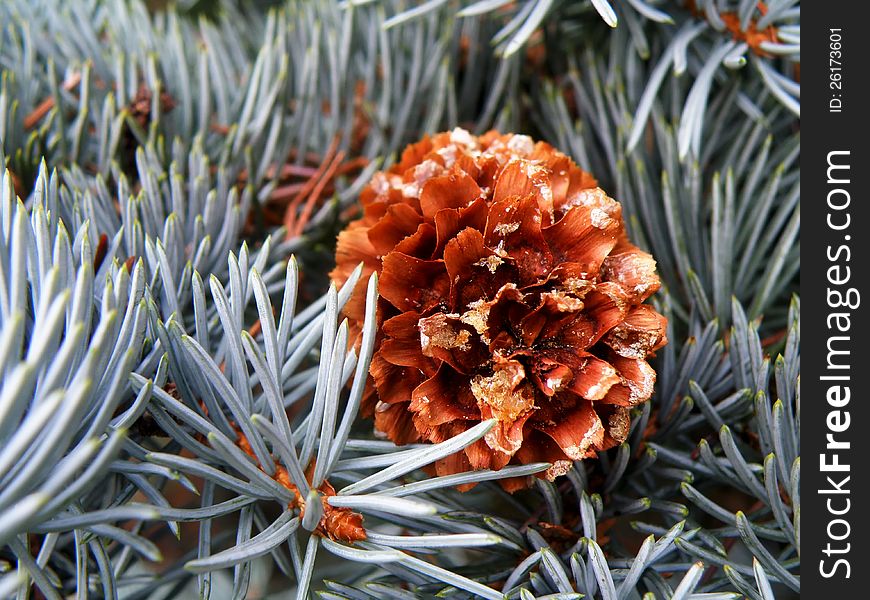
(150, 310)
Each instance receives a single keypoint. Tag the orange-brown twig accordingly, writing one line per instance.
(44, 107)
(291, 220)
(327, 176)
(292, 203)
(774, 338)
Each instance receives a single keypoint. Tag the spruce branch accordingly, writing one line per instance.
(168, 163)
(70, 342)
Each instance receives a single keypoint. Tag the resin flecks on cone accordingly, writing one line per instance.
(509, 290)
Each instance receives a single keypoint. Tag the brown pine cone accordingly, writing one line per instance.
(509, 290)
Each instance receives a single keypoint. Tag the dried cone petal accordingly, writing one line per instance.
(509, 290)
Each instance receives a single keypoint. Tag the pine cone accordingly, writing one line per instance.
(509, 290)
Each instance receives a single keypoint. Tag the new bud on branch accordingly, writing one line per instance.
(509, 290)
